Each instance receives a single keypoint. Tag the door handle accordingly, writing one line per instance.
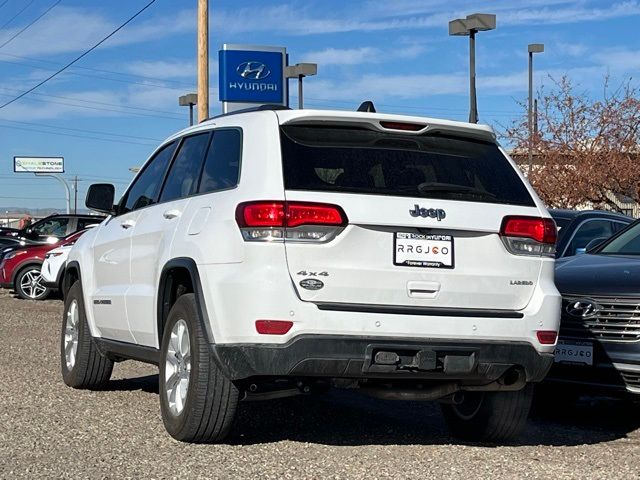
(420, 289)
(128, 224)
(169, 214)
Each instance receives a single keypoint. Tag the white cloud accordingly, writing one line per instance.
(70, 29)
(287, 20)
(570, 49)
(163, 69)
(361, 55)
(349, 56)
(619, 60)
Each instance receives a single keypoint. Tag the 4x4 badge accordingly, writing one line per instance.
(428, 212)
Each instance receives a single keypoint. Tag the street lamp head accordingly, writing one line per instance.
(482, 21)
(188, 100)
(477, 22)
(301, 70)
(536, 47)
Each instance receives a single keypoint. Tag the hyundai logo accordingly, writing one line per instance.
(253, 70)
(582, 308)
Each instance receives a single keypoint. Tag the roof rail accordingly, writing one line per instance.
(259, 108)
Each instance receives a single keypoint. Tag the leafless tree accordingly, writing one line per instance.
(586, 150)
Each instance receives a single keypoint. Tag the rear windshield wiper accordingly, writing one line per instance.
(427, 187)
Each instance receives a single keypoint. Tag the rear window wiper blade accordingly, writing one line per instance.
(427, 187)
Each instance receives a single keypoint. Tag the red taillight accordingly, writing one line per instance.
(273, 327)
(410, 127)
(261, 214)
(547, 337)
(313, 214)
(541, 230)
(288, 214)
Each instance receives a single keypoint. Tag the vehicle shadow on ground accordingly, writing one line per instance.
(148, 384)
(348, 418)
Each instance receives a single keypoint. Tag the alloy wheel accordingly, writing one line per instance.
(31, 284)
(178, 367)
(71, 335)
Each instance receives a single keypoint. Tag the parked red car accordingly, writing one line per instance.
(20, 268)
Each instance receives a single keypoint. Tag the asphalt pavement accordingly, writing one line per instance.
(48, 430)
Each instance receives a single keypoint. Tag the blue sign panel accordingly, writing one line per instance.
(251, 76)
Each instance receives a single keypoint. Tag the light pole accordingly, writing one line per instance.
(189, 100)
(64, 184)
(477, 22)
(299, 71)
(533, 48)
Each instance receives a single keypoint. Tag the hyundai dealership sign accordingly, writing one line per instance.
(251, 75)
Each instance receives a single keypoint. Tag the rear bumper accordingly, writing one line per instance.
(355, 357)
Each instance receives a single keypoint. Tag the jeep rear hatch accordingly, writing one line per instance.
(424, 215)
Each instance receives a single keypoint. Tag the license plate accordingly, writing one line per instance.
(574, 352)
(418, 250)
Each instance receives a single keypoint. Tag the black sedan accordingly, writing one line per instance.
(576, 228)
(599, 342)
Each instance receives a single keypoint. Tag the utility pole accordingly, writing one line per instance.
(75, 194)
(203, 60)
(532, 48)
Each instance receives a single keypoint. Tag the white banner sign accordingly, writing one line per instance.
(38, 164)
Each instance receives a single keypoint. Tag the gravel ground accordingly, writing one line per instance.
(50, 431)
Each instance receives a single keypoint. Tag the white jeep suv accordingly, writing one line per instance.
(276, 252)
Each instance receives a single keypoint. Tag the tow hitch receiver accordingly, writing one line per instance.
(381, 359)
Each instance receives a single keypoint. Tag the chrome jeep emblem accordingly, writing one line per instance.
(582, 308)
(427, 212)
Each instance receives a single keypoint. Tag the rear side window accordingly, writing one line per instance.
(56, 227)
(222, 166)
(357, 160)
(589, 230)
(85, 222)
(182, 180)
(146, 187)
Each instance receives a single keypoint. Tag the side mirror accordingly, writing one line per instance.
(100, 197)
(594, 243)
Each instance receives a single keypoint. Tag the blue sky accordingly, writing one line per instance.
(109, 111)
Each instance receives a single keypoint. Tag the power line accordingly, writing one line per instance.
(85, 53)
(3, 3)
(77, 136)
(32, 198)
(17, 14)
(101, 109)
(177, 116)
(92, 69)
(32, 22)
(81, 130)
(86, 75)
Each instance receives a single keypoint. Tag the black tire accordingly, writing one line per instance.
(489, 416)
(207, 412)
(90, 370)
(34, 292)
